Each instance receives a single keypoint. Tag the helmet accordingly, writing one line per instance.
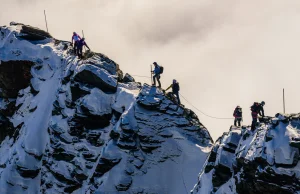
(174, 81)
(154, 63)
(263, 103)
(74, 33)
(238, 106)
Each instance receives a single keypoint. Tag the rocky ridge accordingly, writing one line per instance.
(263, 161)
(79, 126)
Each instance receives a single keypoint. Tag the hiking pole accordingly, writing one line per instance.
(283, 102)
(46, 20)
(83, 37)
(151, 74)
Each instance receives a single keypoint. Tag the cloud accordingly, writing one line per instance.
(223, 53)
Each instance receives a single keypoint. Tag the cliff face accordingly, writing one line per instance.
(263, 161)
(78, 126)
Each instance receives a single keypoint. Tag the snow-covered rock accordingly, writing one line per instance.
(76, 126)
(262, 161)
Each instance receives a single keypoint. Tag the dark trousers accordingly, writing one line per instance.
(237, 121)
(254, 122)
(79, 52)
(75, 47)
(157, 77)
(177, 96)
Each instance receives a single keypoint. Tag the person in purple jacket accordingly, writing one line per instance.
(80, 45)
(75, 38)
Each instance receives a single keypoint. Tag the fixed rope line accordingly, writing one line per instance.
(202, 111)
(140, 76)
(191, 103)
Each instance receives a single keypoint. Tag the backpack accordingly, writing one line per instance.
(176, 87)
(161, 69)
(254, 108)
(237, 112)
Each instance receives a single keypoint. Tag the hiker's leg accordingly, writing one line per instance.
(177, 95)
(158, 78)
(154, 82)
(254, 121)
(76, 47)
(80, 52)
(235, 120)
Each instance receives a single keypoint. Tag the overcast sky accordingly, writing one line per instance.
(223, 53)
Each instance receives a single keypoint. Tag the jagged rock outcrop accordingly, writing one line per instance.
(262, 161)
(14, 76)
(30, 33)
(76, 126)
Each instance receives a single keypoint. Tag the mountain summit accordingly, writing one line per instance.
(80, 126)
(265, 160)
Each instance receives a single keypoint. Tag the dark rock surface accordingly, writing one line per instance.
(14, 76)
(77, 126)
(262, 161)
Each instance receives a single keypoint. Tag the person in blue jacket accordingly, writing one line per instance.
(156, 76)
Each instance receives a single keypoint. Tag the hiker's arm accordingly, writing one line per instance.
(169, 87)
(87, 46)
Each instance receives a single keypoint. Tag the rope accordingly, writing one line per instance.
(140, 76)
(202, 111)
(191, 103)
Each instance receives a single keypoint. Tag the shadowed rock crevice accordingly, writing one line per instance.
(14, 76)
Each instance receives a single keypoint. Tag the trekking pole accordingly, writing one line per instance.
(283, 102)
(151, 74)
(83, 37)
(46, 20)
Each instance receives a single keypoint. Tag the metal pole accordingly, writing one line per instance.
(151, 74)
(46, 20)
(283, 102)
(83, 37)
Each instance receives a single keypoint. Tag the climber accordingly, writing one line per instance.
(76, 39)
(157, 71)
(80, 45)
(175, 89)
(256, 109)
(238, 116)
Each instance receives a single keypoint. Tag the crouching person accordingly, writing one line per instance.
(175, 90)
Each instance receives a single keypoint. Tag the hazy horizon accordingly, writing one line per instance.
(223, 54)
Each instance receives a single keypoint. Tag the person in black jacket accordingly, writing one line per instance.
(80, 45)
(257, 109)
(238, 116)
(175, 89)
